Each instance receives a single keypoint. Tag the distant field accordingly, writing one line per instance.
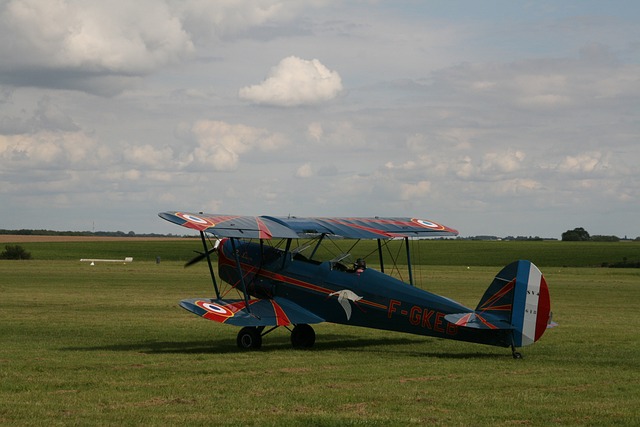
(108, 345)
(23, 238)
(424, 252)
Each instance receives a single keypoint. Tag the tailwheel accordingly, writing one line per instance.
(303, 336)
(515, 354)
(249, 338)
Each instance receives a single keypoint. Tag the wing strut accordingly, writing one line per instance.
(406, 241)
(380, 256)
(242, 282)
(207, 253)
(286, 251)
(317, 246)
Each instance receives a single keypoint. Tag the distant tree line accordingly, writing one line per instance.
(26, 232)
(508, 238)
(581, 235)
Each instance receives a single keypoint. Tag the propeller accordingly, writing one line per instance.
(203, 255)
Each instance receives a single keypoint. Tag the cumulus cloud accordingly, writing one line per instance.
(148, 155)
(293, 82)
(408, 165)
(47, 115)
(91, 39)
(49, 150)
(583, 163)
(502, 162)
(493, 165)
(315, 131)
(304, 171)
(516, 186)
(414, 191)
(340, 134)
(220, 144)
(215, 20)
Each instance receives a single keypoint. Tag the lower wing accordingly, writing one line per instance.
(259, 312)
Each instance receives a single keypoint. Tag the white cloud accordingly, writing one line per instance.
(93, 46)
(51, 150)
(341, 134)
(408, 165)
(519, 186)
(464, 168)
(583, 163)
(414, 191)
(315, 131)
(148, 155)
(96, 37)
(293, 82)
(502, 162)
(304, 171)
(220, 144)
(226, 19)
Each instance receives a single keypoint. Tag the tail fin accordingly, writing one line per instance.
(519, 296)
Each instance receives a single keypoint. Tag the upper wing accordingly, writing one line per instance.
(367, 228)
(267, 227)
(241, 227)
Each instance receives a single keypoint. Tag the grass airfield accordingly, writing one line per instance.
(108, 344)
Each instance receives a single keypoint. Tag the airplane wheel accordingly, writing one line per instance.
(303, 336)
(249, 338)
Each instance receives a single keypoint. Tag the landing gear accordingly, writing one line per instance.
(303, 336)
(515, 354)
(250, 338)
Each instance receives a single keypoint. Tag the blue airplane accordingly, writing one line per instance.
(284, 285)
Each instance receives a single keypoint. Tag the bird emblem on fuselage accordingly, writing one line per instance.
(344, 296)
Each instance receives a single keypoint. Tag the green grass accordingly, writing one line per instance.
(424, 252)
(108, 345)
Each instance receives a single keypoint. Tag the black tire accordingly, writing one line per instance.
(249, 338)
(303, 336)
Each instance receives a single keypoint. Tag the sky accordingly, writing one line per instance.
(503, 117)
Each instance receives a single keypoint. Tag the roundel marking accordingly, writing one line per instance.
(195, 219)
(428, 224)
(215, 308)
(192, 218)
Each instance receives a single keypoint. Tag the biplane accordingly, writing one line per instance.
(273, 264)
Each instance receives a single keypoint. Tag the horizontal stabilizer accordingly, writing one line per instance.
(261, 312)
(477, 321)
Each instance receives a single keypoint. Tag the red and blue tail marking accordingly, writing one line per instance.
(517, 300)
(531, 305)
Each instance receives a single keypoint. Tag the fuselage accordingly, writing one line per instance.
(338, 294)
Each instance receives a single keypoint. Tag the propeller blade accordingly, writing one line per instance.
(202, 255)
(195, 260)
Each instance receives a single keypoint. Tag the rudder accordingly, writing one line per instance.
(519, 295)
